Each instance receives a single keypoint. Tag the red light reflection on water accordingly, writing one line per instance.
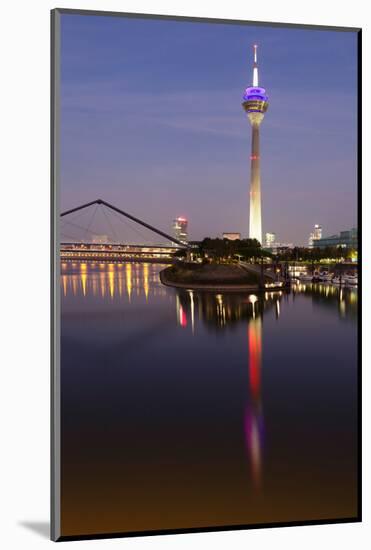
(253, 421)
(254, 338)
(182, 317)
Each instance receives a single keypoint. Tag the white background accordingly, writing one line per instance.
(24, 306)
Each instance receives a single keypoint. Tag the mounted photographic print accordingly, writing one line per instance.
(206, 272)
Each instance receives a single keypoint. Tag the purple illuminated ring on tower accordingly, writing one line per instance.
(255, 93)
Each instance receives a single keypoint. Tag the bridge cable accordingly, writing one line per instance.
(87, 229)
(91, 220)
(127, 224)
(72, 219)
(130, 216)
(76, 215)
(78, 226)
(109, 223)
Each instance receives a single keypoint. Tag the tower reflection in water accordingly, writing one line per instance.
(254, 421)
(222, 312)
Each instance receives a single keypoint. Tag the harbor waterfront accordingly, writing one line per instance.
(184, 409)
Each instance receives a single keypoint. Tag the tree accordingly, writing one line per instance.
(181, 253)
(227, 250)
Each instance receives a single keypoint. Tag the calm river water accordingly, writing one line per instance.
(183, 409)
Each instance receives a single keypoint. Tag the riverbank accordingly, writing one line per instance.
(211, 277)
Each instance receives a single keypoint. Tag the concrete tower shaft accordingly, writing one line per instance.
(255, 104)
(255, 225)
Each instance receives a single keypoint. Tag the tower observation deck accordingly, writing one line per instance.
(255, 104)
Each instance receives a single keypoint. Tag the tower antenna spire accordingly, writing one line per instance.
(255, 76)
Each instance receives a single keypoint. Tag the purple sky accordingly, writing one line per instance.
(151, 120)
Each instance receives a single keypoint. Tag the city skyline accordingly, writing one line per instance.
(158, 130)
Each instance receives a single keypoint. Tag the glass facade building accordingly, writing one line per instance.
(180, 229)
(345, 239)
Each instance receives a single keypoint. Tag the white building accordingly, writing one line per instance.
(180, 229)
(315, 235)
(270, 239)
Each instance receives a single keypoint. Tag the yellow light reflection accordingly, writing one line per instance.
(83, 276)
(120, 285)
(342, 306)
(253, 299)
(64, 284)
(111, 282)
(128, 274)
(220, 309)
(102, 279)
(74, 284)
(278, 310)
(95, 285)
(146, 280)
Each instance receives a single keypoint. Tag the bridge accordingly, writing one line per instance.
(90, 240)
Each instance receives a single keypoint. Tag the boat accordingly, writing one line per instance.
(316, 277)
(351, 280)
(326, 276)
(337, 280)
(305, 277)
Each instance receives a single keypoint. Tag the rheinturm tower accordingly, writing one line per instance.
(255, 103)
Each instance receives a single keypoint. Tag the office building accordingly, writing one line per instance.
(345, 239)
(315, 235)
(180, 229)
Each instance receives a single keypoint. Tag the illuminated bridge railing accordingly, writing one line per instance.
(115, 252)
